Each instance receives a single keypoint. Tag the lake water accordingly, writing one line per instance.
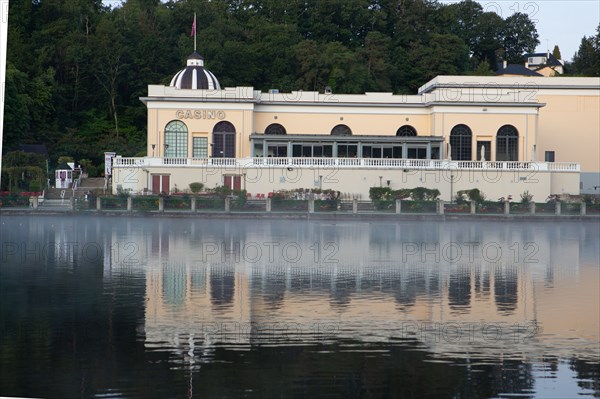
(131, 307)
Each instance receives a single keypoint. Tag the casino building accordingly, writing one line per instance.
(503, 134)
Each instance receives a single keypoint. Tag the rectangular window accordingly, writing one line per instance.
(297, 150)
(278, 150)
(549, 156)
(397, 152)
(417, 153)
(200, 147)
(366, 151)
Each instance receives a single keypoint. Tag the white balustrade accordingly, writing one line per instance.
(348, 163)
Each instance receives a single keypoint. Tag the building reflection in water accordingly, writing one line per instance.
(229, 281)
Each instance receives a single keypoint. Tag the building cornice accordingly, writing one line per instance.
(428, 104)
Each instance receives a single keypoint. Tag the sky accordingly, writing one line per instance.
(558, 22)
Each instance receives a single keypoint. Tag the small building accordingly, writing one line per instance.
(64, 175)
(545, 64)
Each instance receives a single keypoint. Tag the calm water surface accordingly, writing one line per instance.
(120, 307)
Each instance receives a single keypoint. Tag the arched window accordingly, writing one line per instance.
(460, 143)
(176, 139)
(275, 128)
(507, 144)
(406, 131)
(341, 130)
(223, 140)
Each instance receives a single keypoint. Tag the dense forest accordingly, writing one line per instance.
(76, 68)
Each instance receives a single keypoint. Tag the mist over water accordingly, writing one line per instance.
(132, 307)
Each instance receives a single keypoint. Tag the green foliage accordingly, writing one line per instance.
(520, 36)
(19, 178)
(472, 195)
(556, 52)
(526, 197)
(586, 61)
(64, 159)
(35, 186)
(424, 194)
(21, 158)
(416, 194)
(380, 193)
(196, 187)
(483, 69)
(221, 191)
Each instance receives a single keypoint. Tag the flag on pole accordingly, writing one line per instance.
(194, 26)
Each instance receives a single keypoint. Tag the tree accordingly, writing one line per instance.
(376, 54)
(109, 63)
(586, 61)
(519, 37)
(556, 52)
(483, 69)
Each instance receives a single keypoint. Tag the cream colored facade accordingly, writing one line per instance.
(548, 119)
(568, 123)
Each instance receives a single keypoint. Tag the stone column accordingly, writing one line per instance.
(161, 204)
(129, 204)
(354, 206)
(193, 206)
(557, 208)
(72, 203)
(532, 208)
(268, 206)
(440, 207)
(506, 207)
(35, 202)
(582, 210)
(228, 204)
(98, 203)
(398, 206)
(311, 205)
(473, 207)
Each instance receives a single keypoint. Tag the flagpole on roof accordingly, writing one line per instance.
(195, 29)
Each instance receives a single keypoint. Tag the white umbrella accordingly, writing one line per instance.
(482, 153)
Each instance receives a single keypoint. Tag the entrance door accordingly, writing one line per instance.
(233, 182)
(487, 150)
(166, 184)
(160, 184)
(155, 184)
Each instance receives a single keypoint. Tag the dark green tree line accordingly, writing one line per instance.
(76, 68)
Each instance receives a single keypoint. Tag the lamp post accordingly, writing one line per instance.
(451, 188)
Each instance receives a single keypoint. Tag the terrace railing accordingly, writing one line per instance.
(347, 163)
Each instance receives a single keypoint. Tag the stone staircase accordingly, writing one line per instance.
(92, 184)
(56, 204)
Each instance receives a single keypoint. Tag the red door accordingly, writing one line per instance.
(166, 187)
(227, 181)
(161, 184)
(155, 184)
(237, 183)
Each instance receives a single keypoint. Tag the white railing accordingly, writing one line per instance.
(347, 163)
